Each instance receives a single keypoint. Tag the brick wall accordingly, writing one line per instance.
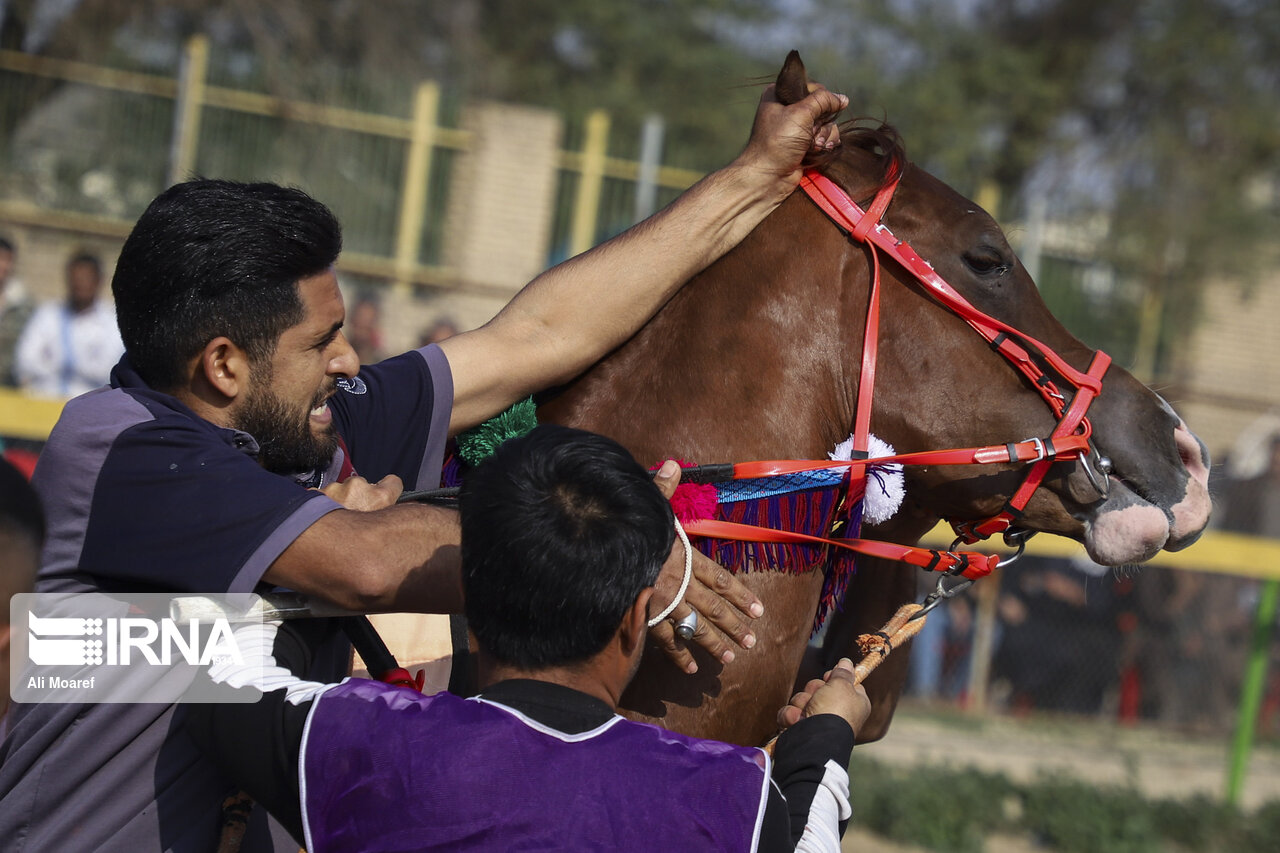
(1231, 366)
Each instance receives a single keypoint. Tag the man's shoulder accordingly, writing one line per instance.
(102, 422)
(114, 410)
(103, 311)
(679, 742)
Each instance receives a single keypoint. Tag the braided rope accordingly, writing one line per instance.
(876, 646)
(684, 584)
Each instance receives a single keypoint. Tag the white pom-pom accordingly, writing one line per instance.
(886, 485)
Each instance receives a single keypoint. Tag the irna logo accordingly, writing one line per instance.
(92, 641)
(133, 647)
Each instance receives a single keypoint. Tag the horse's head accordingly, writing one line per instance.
(940, 385)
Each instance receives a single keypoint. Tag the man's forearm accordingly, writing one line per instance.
(572, 315)
(405, 558)
(809, 766)
(588, 305)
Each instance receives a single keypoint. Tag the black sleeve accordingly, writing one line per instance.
(800, 763)
(256, 745)
(775, 832)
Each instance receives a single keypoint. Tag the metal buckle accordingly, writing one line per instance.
(1098, 473)
(1044, 450)
(1015, 538)
(940, 594)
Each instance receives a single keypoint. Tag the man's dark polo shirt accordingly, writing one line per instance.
(143, 495)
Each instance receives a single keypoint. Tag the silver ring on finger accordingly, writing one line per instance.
(686, 626)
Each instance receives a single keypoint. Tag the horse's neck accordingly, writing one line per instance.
(751, 359)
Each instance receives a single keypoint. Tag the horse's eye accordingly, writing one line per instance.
(986, 262)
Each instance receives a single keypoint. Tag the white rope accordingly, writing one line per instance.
(684, 584)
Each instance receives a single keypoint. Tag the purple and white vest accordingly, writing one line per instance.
(384, 768)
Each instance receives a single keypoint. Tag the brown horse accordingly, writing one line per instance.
(758, 358)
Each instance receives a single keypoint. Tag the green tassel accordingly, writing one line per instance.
(478, 443)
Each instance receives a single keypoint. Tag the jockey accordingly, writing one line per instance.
(563, 536)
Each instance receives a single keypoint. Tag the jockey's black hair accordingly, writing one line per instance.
(561, 530)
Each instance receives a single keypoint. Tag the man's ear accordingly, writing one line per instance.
(225, 367)
(635, 625)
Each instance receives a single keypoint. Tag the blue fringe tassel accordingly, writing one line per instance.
(809, 511)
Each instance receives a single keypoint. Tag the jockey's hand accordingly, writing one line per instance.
(722, 602)
(359, 494)
(834, 693)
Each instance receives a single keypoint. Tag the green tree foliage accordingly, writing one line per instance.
(682, 59)
(959, 809)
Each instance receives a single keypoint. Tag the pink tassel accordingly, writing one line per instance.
(693, 501)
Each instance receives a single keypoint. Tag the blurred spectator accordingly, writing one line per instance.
(1189, 646)
(15, 311)
(69, 347)
(442, 328)
(1060, 640)
(364, 330)
(21, 537)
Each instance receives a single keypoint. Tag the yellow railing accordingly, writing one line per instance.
(422, 135)
(23, 416)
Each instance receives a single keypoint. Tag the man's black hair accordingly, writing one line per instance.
(561, 530)
(6, 245)
(214, 257)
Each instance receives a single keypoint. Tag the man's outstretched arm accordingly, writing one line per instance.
(573, 314)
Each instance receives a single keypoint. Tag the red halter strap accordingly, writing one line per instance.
(1070, 438)
(968, 564)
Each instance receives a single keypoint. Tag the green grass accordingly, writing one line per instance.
(954, 810)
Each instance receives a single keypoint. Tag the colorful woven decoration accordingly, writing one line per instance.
(818, 503)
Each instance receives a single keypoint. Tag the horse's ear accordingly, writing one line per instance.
(793, 82)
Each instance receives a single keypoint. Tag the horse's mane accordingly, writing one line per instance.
(879, 139)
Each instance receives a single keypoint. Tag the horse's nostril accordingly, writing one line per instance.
(1194, 456)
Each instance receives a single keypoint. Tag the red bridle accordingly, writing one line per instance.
(1069, 439)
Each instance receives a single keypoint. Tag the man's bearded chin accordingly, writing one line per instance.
(286, 442)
